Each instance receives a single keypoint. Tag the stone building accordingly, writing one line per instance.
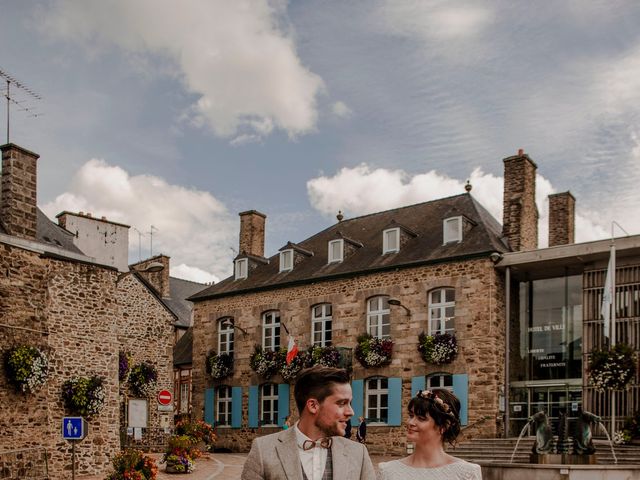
(82, 312)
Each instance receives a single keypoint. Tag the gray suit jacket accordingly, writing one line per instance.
(275, 457)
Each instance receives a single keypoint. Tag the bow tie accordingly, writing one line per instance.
(323, 443)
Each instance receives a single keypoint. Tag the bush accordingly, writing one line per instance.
(374, 352)
(198, 430)
(131, 464)
(27, 368)
(180, 454)
(612, 369)
(84, 395)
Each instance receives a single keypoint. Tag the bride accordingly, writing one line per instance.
(434, 417)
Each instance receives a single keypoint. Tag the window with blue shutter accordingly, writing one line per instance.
(461, 390)
(253, 406)
(417, 384)
(357, 404)
(209, 397)
(236, 407)
(395, 402)
(283, 403)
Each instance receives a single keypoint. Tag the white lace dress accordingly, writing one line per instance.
(397, 470)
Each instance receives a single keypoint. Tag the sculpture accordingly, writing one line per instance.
(582, 437)
(544, 435)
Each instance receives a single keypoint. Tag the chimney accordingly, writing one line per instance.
(562, 219)
(520, 214)
(158, 280)
(18, 204)
(252, 233)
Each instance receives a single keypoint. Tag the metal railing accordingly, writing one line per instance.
(24, 464)
(153, 439)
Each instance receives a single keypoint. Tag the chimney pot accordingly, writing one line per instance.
(520, 152)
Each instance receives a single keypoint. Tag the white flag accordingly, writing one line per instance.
(607, 293)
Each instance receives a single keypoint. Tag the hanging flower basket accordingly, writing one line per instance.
(325, 356)
(124, 366)
(374, 352)
(219, 366)
(143, 380)
(438, 349)
(132, 464)
(612, 369)
(267, 363)
(290, 372)
(84, 396)
(27, 368)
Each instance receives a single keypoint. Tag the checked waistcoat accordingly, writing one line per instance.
(328, 468)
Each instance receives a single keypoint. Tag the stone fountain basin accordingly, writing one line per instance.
(525, 471)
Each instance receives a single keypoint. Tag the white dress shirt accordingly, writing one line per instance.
(313, 460)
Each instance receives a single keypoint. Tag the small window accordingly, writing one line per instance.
(271, 330)
(391, 240)
(241, 268)
(225, 335)
(286, 260)
(223, 407)
(377, 400)
(378, 323)
(440, 380)
(442, 306)
(336, 251)
(269, 404)
(452, 230)
(321, 318)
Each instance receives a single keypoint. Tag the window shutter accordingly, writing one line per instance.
(283, 402)
(209, 402)
(236, 407)
(461, 390)
(395, 402)
(253, 406)
(357, 404)
(417, 384)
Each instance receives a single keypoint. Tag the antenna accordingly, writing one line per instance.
(21, 104)
(140, 235)
(150, 232)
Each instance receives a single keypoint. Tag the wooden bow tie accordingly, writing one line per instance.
(323, 442)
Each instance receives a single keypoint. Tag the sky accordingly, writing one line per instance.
(181, 115)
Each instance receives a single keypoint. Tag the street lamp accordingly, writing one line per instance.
(397, 303)
(153, 267)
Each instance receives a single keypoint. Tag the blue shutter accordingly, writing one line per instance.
(236, 407)
(357, 388)
(209, 402)
(461, 390)
(395, 402)
(253, 406)
(417, 384)
(283, 402)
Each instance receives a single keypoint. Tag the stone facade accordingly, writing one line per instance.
(520, 213)
(479, 310)
(18, 205)
(562, 219)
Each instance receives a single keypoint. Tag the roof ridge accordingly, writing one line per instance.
(185, 280)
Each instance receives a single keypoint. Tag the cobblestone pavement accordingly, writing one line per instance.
(218, 466)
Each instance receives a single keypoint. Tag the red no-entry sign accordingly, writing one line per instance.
(164, 397)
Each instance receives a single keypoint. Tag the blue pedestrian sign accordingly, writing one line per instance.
(74, 428)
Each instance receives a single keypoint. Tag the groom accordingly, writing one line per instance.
(315, 448)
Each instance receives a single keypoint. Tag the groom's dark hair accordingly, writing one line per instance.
(317, 382)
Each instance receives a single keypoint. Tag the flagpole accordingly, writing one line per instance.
(613, 322)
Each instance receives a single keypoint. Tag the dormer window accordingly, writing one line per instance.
(241, 268)
(452, 230)
(391, 240)
(286, 260)
(336, 251)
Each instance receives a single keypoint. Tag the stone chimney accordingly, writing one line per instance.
(158, 280)
(520, 215)
(18, 203)
(252, 233)
(562, 219)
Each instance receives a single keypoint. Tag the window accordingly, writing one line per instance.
(442, 304)
(336, 251)
(452, 230)
(391, 240)
(223, 406)
(225, 335)
(378, 317)
(269, 402)
(271, 330)
(241, 268)
(321, 325)
(183, 386)
(440, 380)
(377, 400)
(286, 260)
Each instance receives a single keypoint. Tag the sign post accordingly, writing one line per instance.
(73, 429)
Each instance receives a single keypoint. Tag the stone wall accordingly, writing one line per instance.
(479, 329)
(252, 233)
(520, 213)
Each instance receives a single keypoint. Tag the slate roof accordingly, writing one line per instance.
(423, 219)
(179, 291)
(183, 349)
(49, 232)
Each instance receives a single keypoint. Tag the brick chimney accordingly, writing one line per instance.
(520, 215)
(18, 204)
(252, 233)
(158, 280)
(562, 219)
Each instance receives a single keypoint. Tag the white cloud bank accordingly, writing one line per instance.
(235, 55)
(361, 190)
(193, 227)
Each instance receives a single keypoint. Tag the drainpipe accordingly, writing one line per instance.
(506, 350)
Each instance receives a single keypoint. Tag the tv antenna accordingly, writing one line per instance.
(150, 232)
(140, 235)
(16, 100)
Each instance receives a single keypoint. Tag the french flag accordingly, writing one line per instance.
(292, 350)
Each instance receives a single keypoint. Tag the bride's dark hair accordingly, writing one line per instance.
(441, 405)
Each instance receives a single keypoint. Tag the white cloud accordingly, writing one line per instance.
(193, 273)
(235, 55)
(193, 227)
(340, 109)
(361, 190)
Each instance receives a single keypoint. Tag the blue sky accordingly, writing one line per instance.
(181, 117)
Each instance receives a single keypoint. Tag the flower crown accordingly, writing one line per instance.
(437, 401)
